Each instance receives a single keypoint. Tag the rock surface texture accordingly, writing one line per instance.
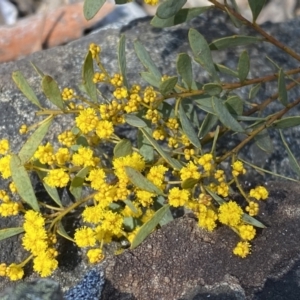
(180, 261)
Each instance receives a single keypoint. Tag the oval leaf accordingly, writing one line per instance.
(287, 122)
(149, 226)
(225, 117)
(168, 85)
(282, 92)
(22, 182)
(225, 70)
(256, 6)
(87, 77)
(212, 89)
(9, 232)
(189, 183)
(184, 69)
(243, 66)
(91, 7)
(135, 121)
(169, 8)
(25, 88)
(122, 59)
(264, 142)
(33, 142)
(188, 128)
(77, 182)
(52, 91)
(202, 53)
(145, 148)
(142, 182)
(208, 123)
(235, 105)
(182, 16)
(254, 90)
(123, 148)
(151, 79)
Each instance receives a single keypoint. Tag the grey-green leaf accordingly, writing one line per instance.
(149, 226)
(215, 196)
(243, 66)
(256, 6)
(33, 142)
(202, 53)
(254, 90)
(184, 68)
(212, 89)
(182, 16)
(87, 77)
(188, 128)
(264, 142)
(168, 85)
(22, 182)
(151, 79)
(62, 232)
(9, 232)
(252, 221)
(122, 59)
(145, 59)
(77, 182)
(37, 69)
(145, 148)
(287, 122)
(135, 121)
(91, 7)
(225, 70)
(225, 117)
(142, 182)
(169, 8)
(235, 105)
(282, 92)
(233, 41)
(208, 123)
(52, 91)
(25, 88)
(189, 183)
(123, 148)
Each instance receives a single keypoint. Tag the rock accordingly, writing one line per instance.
(133, 275)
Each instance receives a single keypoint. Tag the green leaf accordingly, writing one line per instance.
(62, 232)
(87, 77)
(215, 196)
(252, 221)
(22, 182)
(287, 122)
(214, 143)
(282, 92)
(225, 117)
(52, 192)
(233, 41)
(208, 123)
(52, 91)
(33, 142)
(145, 148)
(202, 53)
(168, 85)
(91, 7)
(37, 69)
(171, 161)
(25, 88)
(256, 6)
(122, 59)
(168, 217)
(243, 66)
(184, 69)
(169, 8)
(131, 206)
(292, 159)
(225, 70)
(146, 60)
(77, 182)
(142, 182)
(135, 121)
(212, 89)
(254, 90)
(189, 183)
(234, 105)
(129, 223)
(151, 79)
(188, 128)
(264, 142)
(9, 232)
(123, 148)
(236, 22)
(149, 226)
(182, 16)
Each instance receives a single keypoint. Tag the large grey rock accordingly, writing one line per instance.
(216, 269)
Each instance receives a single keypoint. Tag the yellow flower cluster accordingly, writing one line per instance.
(4, 146)
(67, 94)
(259, 193)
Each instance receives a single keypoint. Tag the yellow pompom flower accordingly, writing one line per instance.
(145, 198)
(206, 161)
(238, 168)
(120, 93)
(178, 197)
(149, 95)
(104, 129)
(67, 138)
(62, 156)
(9, 209)
(230, 214)
(156, 175)
(45, 154)
(223, 189)
(23, 129)
(4, 146)
(85, 237)
(207, 219)
(14, 272)
(45, 264)
(84, 157)
(112, 222)
(5, 166)
(247, 232)
(259, 193)
(252, 208)
(87, 120)
(12, 187)
(57, 178)
(67, 94)
(95, 255)
(151, 2)
(190, 171)
(242, 249)
(94, 49)
(3, 268)
(117, 80)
